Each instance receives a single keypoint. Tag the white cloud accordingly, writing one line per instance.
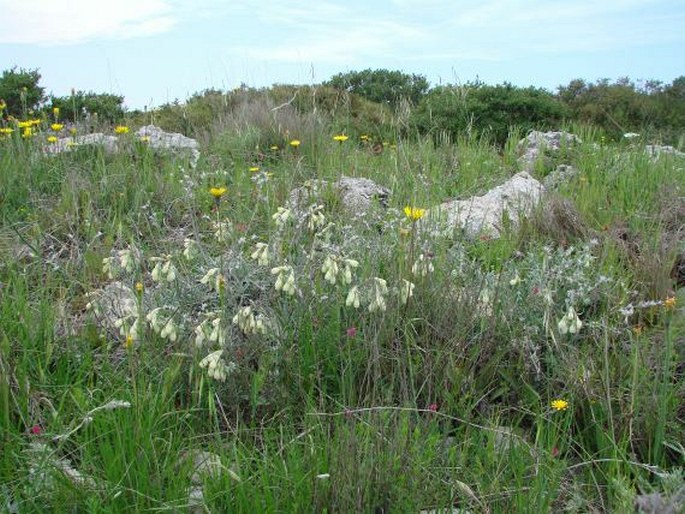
(43, 22)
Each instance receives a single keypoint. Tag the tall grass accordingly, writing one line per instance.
(439, 401)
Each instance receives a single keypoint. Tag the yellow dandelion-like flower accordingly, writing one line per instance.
(139, 287)
(144, 139)
(52, 139)
(55, 111)
(27, 132)
(121, 129)
(254, 169)
(669, 303)
(128, 343)
(6, 131)
(559, 405)
(24, 124)
(56, 127)
(274, 148)
(295, 143)
(217, 192)
(414, 213)
(340, 138)
(364, 137)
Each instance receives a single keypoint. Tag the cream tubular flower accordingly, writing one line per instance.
(127, 260)
(261, 254)
(216, 367)
(406, 291)
(570, 323)
(423, 266)
(190, 249)
(353, 298)
(348, 266)
(281, 216)
(316, 219)
(380, 289)
(107, 268)
(330, 269)
(169, 330)
(285, 280)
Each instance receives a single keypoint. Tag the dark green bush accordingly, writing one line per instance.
(108, 108)
(20, 91)
(487, 110)
(655, 110)
(381, 86)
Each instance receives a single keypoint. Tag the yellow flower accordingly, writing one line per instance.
(559, 405)
(128, 343)
(139, 287)
(254, 169)
(56, 127)
(414, 213)
(144, 139)
(24, 124)
(121, 129)
(295, 143)
(364, 137)
(2, 105)
(52, 139)
(274, 148)
(340, 138)
(6, 130)
(217, 192)
(55, 111)
(27, 132)
(637, 330)
(33, 123)
(669, 303)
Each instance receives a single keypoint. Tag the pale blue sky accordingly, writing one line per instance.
(154, 51)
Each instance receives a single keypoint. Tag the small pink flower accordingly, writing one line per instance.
(351, 331)
(536, 290)
(555, 452)
(35, 430)
(433, 407)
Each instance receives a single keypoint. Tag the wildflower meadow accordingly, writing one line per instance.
(233, 335)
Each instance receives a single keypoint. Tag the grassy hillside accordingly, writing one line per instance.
(541, 371)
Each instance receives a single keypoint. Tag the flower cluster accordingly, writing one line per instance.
(380, 290)
(216, 366)
(570, 323)
(164, 270)
(285, 279)
(248, 322)
(162, 325)
(210, 330)
(331, 269)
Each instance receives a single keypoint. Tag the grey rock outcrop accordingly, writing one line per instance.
(155, 137)
(536, 143)
(170, 141)
(110, 144)
(485, 215)
(657, 151)
(357, 195)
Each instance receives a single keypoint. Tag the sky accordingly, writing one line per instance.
(156, 51)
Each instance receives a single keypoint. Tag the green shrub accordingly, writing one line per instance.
(20, 91)
(381, 86)
(108, 108)
(487, 110)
